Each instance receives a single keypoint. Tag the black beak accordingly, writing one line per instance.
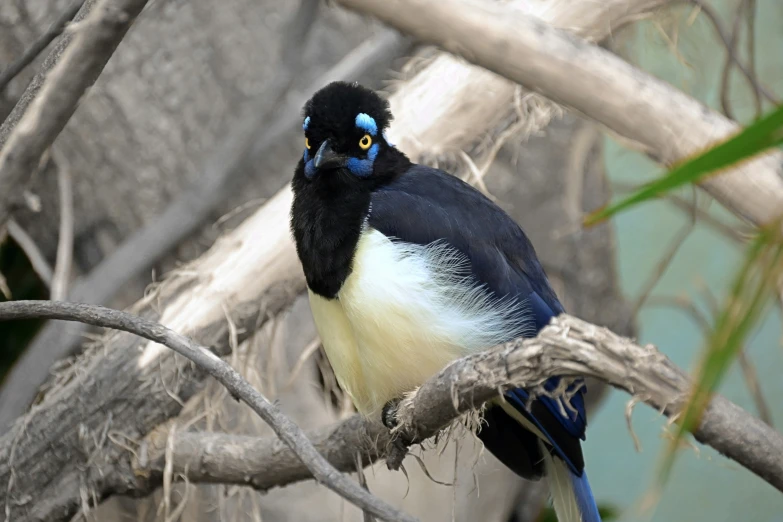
(326, 158)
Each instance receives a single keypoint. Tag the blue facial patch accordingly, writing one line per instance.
(366, 123)
(309, 169)
(361, 167)
(306, 123)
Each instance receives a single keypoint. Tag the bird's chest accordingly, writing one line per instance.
(404, 312)
(326, 225)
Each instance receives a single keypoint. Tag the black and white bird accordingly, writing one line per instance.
(409, 268)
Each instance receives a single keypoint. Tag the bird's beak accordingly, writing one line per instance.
(326, 158)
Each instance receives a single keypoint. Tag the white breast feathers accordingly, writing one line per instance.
(404, 313)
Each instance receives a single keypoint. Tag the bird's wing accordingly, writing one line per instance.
(425, 205)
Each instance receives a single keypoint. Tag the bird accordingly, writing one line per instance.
(409, 268)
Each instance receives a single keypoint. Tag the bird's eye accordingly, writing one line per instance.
(307, 143)
(365, 142)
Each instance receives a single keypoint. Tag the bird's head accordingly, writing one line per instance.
(344, 126)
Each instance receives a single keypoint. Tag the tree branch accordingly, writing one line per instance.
(567, 347)
(31, 250)
(32, 89)
(731, 53)
(285, 428)
(62, 267)
(526, 50)
(570, 346)
(43, 41)
(97, 37)
(262, 463)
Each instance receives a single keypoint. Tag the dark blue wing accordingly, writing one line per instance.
(425, 205)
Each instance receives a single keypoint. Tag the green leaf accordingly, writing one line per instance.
(765, 133)
(751, 294)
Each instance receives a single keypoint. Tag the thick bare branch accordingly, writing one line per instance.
(261, 463)
(527, 50)
(284, 427)
(98, 35)
(569, 346)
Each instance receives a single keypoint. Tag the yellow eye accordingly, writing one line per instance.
(365, 142)
(307, 143)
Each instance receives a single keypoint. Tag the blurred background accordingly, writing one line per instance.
(195, 124)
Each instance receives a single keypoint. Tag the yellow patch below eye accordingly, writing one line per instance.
(307, 143)
(365, 142)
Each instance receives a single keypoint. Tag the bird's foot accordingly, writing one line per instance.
(399, 442)
(389, 414)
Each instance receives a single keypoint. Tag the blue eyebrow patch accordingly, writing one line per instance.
(366, 123)
(363, 167)
(306, 123)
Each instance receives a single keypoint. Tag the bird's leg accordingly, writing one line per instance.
(399, 442)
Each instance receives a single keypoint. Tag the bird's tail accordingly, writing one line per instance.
(572, 497)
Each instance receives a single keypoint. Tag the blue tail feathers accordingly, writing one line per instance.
(584, 498)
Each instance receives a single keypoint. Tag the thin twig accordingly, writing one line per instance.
(4, 288)
(284, 427)
(43, 41)
(82, 62)
(706, 218)
(308, 352)
(62, 267)
(363, 483)
(738, 235)
(754, 386)
(731, 58)
(749, 373)
(665, 260)
(685, 304)
(726, 39)
(31, 250)
(751, 44)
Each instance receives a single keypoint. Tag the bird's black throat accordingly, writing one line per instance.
(327, 217)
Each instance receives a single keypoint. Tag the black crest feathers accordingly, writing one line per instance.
(335, 107)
